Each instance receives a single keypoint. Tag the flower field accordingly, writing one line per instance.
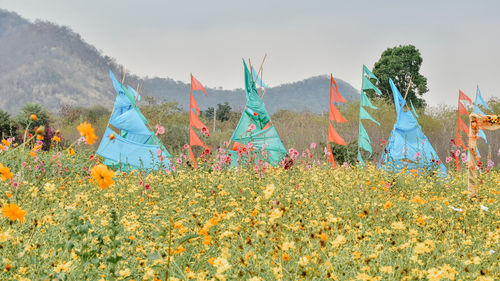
(66, 217)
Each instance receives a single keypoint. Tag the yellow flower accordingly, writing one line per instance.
(5, 173)
(421, 248)
(303, 261)
(87, 131)
(398, 225)
(103, 175)
(124, 273)
(339, 240)
(71, 151)
(56, 139)
(268, 192)
(387, 205)
(275, 214)
(386, 269)
(13, 212)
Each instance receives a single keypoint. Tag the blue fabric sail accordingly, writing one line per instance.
(408, 147)
(133, 145)
(477, 110)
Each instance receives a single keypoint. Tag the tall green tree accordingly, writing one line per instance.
(5, 124)
(401, 63)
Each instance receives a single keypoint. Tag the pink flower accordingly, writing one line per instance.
(457, 152)
(185, 147)
(313, 145)
(498, 152)
(448, 159)
(251, 127)
(160, 130)
(158, 152)
(417, 155)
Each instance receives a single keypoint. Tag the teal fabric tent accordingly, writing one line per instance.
(127, 142)
(264, 136)
(408, 147)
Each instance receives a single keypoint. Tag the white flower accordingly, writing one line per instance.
(484, 208)
(456, 209)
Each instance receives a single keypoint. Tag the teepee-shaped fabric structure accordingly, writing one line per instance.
(127, 142)
(255, 127)
(408, 147)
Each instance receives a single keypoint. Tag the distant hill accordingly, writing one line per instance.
(49, 64)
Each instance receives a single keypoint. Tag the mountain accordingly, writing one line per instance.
(51, 65)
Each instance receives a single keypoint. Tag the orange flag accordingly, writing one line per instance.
(462, 96)
(334, 137)
(462, 110)
(334, 91)
(461, 126)
(195, 121)
(194, 139)
(192, 158)
(194, 105)
(330, 157)
(335, 114)
(196, 85)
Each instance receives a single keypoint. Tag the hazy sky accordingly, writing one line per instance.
(459, 40)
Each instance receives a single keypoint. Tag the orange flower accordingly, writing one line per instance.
(56, 139)
(88, 132)
(33, 117)
(112, 136)
(103, 175)
(207, 240)
(13, 212)
(285, 257)
(388, 205)
(71, 151)
(5, 173)
(39, 137)
(421, 221)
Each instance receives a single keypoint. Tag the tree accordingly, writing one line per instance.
(23, 117)
(401, 63)
(223, 112)
(5, 124)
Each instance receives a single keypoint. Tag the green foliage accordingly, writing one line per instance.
(345, 153)
(401, 63)
(5, 124)
(223, 112)
(23, 117)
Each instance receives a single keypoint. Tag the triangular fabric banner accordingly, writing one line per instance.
(367, 85)
(195, 121)
(365, 101)
(333, 136)
(257, 79)
(194, 139)
(461, 109)
(463, 96)
(399, 101)
(360, 159)
(193, 105)
(335, 114)
(334, 91)
(480, 101)
(369, 73)
(330, 157)
(364, 140)
(363, 114)
(458, 140)
(196, 85)
(192, 158)
(461, 125)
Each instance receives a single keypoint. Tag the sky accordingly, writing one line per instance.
(459, 40)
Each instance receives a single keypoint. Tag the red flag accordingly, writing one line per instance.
(335, 114)
(195, 121)
(334, 137)
(196, 85)
(461, 126)
(334, 91)
(194, 139)
(462, 96)
(192, 158)
(462, 110)
(194, 105)
(330, 157)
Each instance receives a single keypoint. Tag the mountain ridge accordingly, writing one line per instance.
(46, 63)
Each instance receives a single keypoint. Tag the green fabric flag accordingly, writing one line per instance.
(254, 103)
(369, 73)
(413, 108)
(360, 159)
(364, 140)
(367, 85)
(365, 101)
(363, 114)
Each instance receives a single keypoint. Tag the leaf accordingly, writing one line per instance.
(187, 237)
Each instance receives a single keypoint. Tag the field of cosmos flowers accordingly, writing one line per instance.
(65, 216)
